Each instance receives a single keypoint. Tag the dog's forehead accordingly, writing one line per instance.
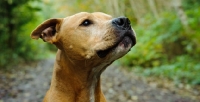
(76, 19)
(102, 15)
(86, 15)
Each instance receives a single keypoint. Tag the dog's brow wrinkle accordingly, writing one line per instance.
(70, 46)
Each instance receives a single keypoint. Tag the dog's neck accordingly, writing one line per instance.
(80, 83)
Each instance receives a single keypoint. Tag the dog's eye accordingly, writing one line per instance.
(86, 22)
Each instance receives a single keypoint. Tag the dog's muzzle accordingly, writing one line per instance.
(123, 29)
(124, 34)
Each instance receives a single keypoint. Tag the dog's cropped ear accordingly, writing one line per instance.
(47, 30)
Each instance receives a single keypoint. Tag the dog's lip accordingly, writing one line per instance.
(129, 34)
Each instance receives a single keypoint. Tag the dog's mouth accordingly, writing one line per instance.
(127, 40)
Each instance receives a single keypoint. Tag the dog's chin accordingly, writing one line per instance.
(126, 43)
(120, 48)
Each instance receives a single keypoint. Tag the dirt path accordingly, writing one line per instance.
(30, 84)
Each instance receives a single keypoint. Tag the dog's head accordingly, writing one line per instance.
(89, 36)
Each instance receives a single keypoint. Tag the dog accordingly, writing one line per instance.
(87, 43)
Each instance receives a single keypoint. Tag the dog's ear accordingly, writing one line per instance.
(47, 30)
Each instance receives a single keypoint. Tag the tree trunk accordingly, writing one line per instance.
(153, 8)
(180, 13)
(11, 36)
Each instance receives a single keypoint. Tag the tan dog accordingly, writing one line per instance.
(87, 43)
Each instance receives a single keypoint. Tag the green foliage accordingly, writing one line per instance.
(165, 48)
(184, 69)
(194, 34)
(18, 19)
(154, 38)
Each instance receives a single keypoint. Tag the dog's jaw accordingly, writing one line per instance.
(125, 44)
(120, 40)
(119, 47)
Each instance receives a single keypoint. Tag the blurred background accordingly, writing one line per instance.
(168, 36)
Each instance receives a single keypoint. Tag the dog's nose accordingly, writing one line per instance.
(122, 23)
